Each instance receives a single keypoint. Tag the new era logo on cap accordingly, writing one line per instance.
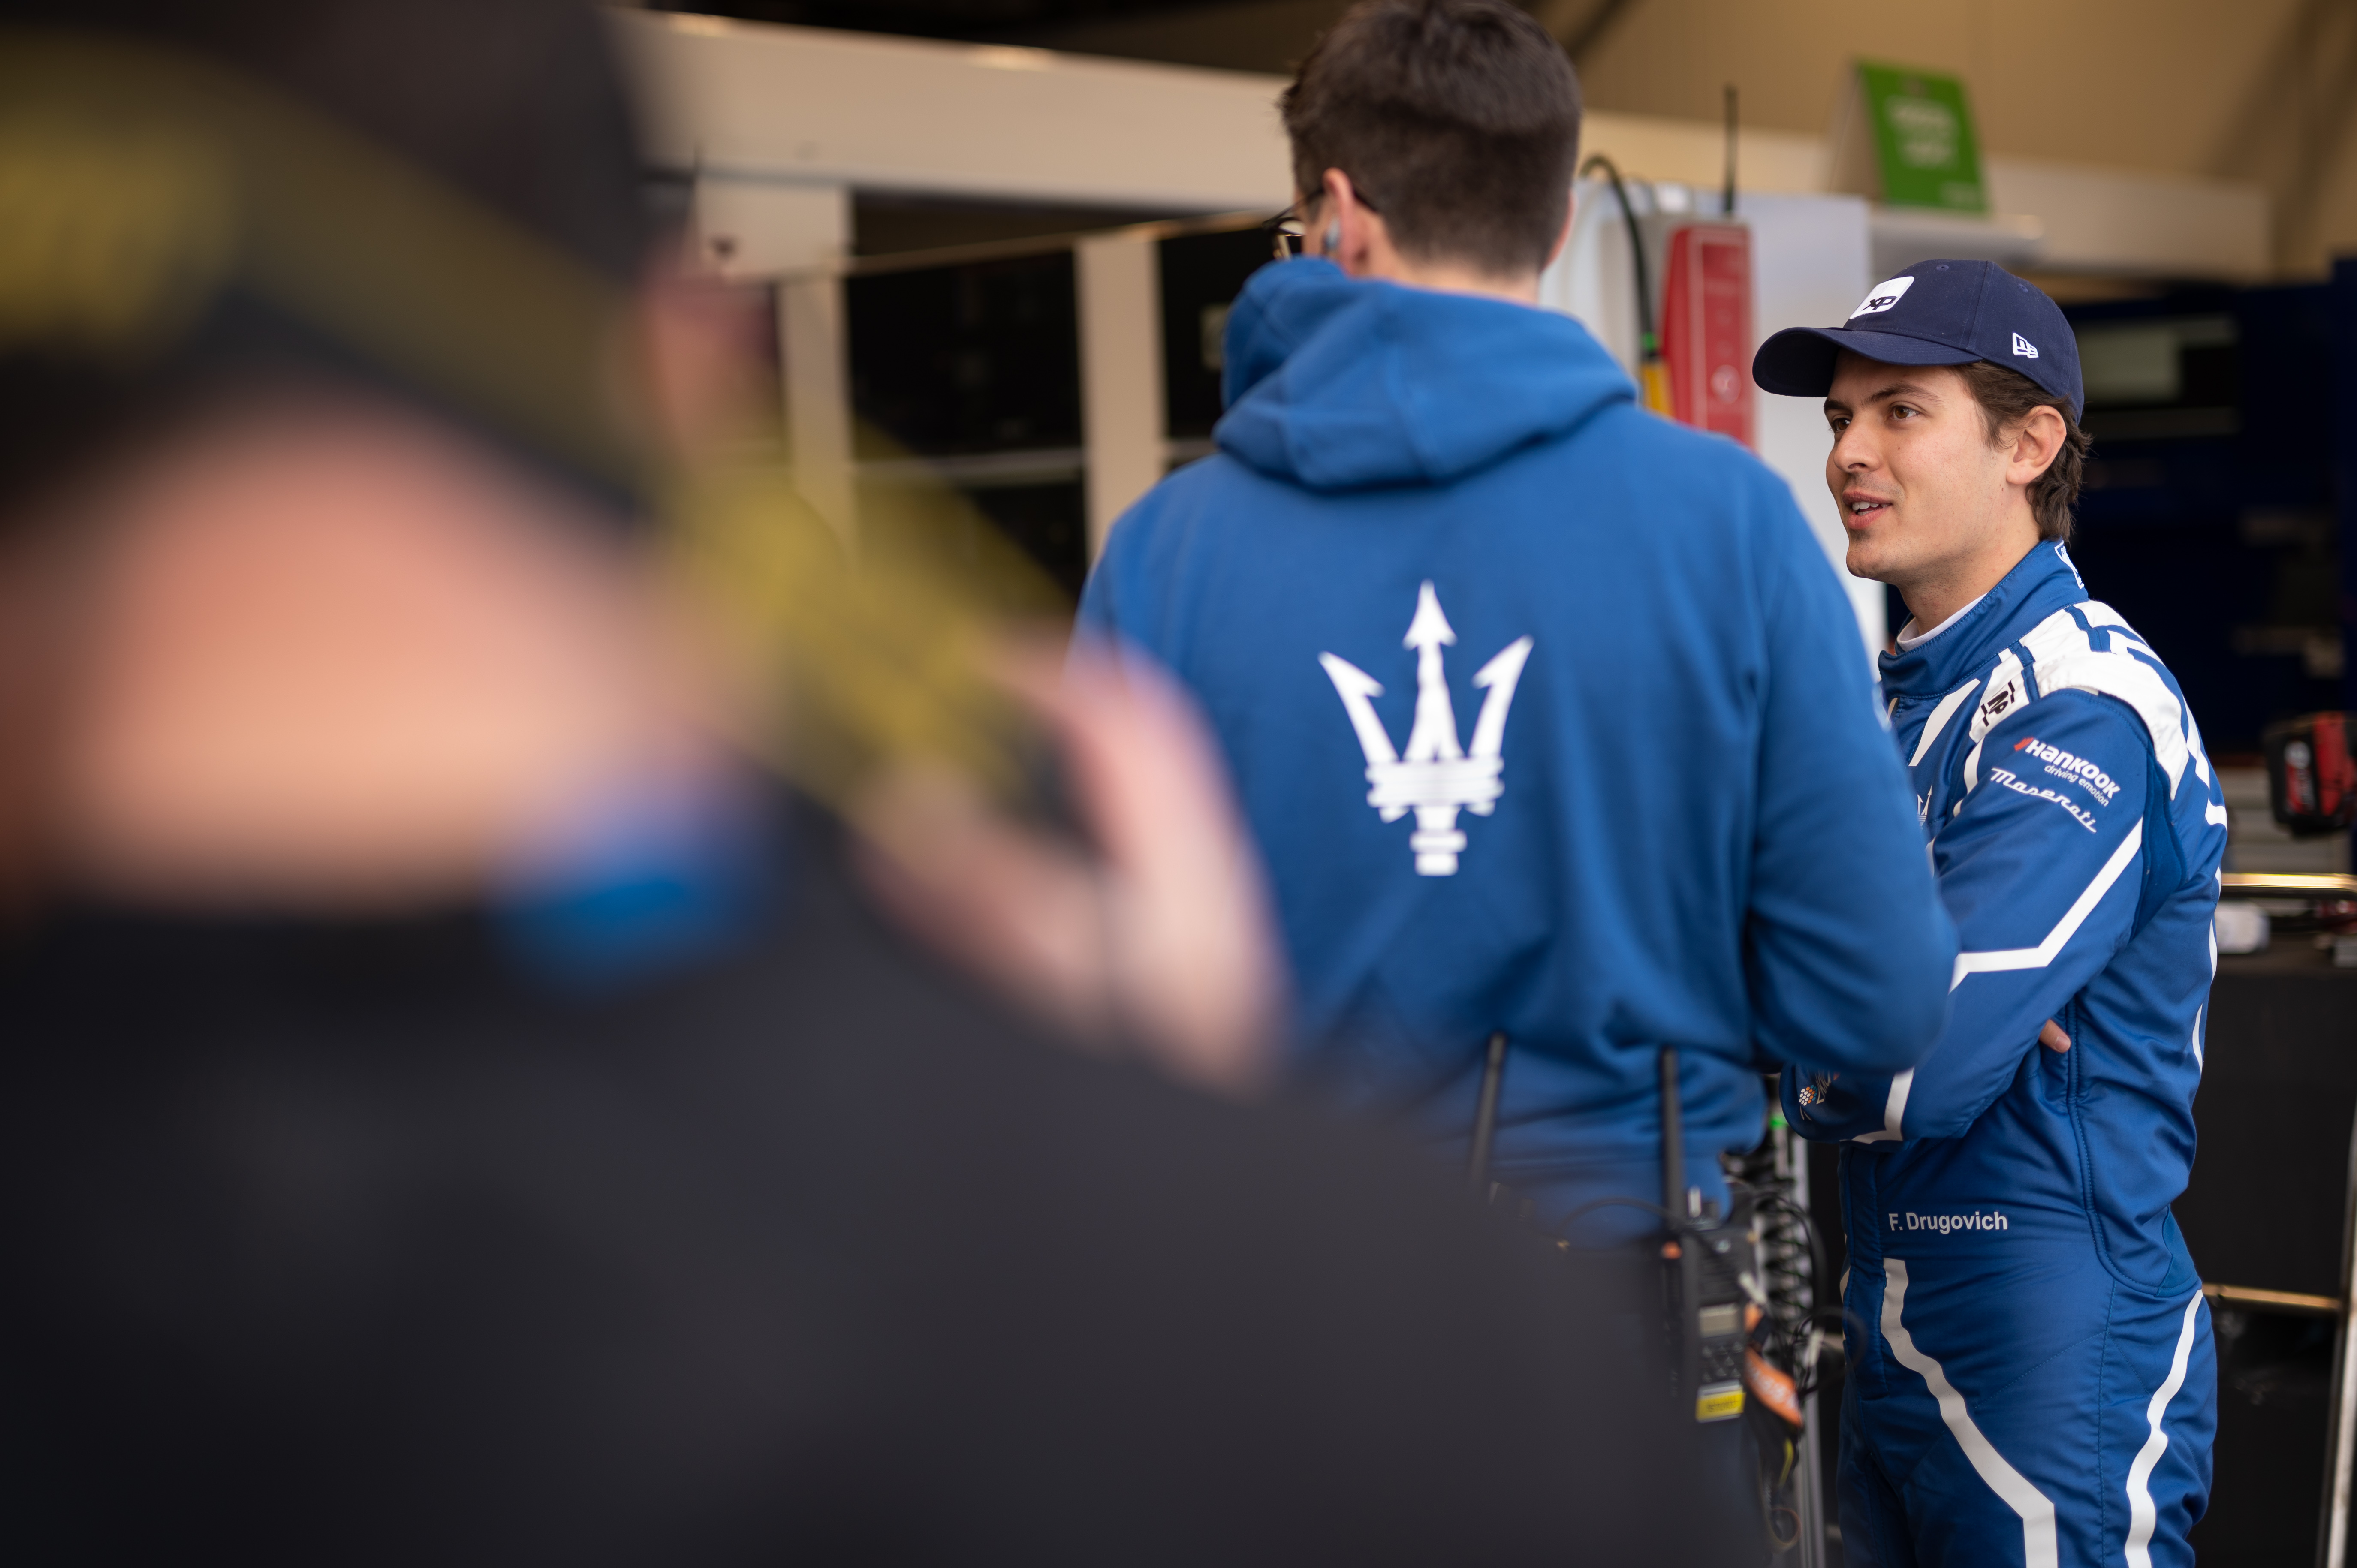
(1884, 297)
(2024, 347)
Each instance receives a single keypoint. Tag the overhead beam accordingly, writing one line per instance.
(750, 101)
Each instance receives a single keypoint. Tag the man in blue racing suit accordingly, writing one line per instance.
(2031, 1374)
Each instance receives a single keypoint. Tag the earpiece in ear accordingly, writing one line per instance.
(1333, 238)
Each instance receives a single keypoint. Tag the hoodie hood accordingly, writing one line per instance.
(1336, 383)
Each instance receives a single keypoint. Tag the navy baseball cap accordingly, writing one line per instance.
(1934, 313)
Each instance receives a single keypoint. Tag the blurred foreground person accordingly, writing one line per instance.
(2031, 1373)
(457, 1110)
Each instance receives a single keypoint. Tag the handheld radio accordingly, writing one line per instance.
(1715, 1292)
(1712, 1274)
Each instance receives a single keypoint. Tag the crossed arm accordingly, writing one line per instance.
(2041, 870)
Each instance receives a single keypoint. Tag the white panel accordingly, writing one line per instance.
(763, 229)
(748, 99)
(1809, 266)
(1121, 412)
(1903, 236)
(817, 385)
(2121, 221)
(815, 104)
(1694, 152)
(800, 234)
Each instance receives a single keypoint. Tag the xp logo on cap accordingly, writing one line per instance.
(1884, 297)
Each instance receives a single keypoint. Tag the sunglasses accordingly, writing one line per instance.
(1284, 233)
(1286, 230)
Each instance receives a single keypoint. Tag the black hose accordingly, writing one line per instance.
(1485, 1115)
(1649, 348)
(1727, 193)
(1674, 1148)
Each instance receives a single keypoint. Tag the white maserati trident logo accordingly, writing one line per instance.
(1434, 777)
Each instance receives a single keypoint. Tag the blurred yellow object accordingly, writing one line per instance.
(1719, 1402)
(1653, 385)
(111, 237)
(881, 662)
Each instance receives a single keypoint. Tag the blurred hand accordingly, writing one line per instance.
(1163, 939)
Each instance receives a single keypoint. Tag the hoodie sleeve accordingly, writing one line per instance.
(1847, 950)
(1098, 620)
(2041, 868)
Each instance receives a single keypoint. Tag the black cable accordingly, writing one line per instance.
(1649, 346)
(1727, 195)
(1848, 1321)
(1819, 1267)
(1847, 1318)
(1485, 1113)
(1793, 1273)
(1673, 1137)
(1805, 1379)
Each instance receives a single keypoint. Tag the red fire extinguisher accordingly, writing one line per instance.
(1706, 327)
(2311, 775)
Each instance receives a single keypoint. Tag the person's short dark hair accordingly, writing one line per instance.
(2006, 398)
(1456, 120)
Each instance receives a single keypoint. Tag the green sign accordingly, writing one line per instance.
(1923, 141)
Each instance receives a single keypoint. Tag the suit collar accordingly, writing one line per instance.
(2041, 583)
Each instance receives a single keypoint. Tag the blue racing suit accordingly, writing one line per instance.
(2031, 1374)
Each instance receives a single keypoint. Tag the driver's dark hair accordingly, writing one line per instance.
(2006, 398)
(1456, 119)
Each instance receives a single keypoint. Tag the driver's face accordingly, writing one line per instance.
(1919, 482)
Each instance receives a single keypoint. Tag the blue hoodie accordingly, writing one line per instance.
(1674, 818)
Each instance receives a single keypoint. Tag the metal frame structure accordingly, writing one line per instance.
(2332, 1534)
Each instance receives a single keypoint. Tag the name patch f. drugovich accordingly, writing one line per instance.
(1947, 1224)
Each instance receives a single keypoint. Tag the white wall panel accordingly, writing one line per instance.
(2125, 221)
(1808, 268)
(744, 99)
(1122, 404)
